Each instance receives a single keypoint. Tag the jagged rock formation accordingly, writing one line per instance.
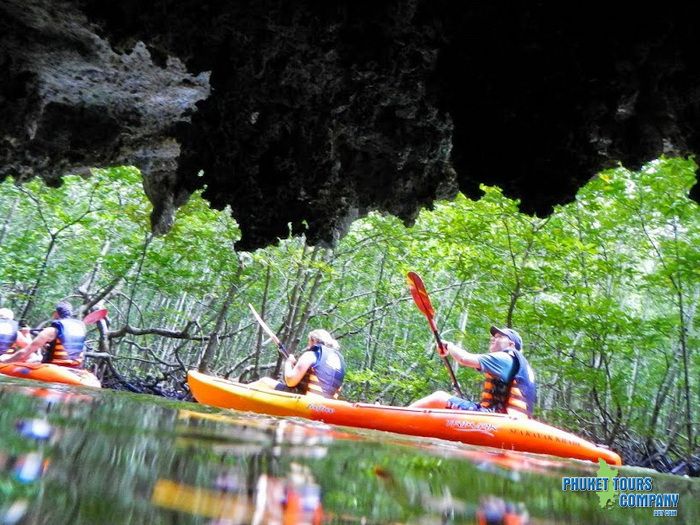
(311, 113)
(70, 102)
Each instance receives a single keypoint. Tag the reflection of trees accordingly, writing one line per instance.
(23, 453)
(112, 452)
(253, 477)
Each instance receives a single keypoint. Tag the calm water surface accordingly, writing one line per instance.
(80, 456)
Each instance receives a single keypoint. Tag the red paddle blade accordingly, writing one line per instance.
(95, 316)
(420, 294)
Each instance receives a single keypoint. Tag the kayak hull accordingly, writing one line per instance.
(475, 428)
(50, 373)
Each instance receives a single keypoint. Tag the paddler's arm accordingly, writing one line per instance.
(463, 357)
(45, 336)
(295, 370)
(23, 339)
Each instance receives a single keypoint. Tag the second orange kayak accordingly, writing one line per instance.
(476, 428)
(50, 373)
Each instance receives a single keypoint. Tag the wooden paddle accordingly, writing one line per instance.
(269, 332)
(422, 300)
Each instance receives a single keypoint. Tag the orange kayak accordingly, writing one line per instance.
(475, 428)
(50, 373)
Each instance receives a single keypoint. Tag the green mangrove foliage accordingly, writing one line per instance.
(604, 291)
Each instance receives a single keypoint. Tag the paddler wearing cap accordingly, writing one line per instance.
(509, 382)
(63, 342)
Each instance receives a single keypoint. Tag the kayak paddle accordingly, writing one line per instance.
(422, 300)
(269, 332)
(91, 318)
(94, 317)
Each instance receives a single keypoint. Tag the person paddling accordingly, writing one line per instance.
(320, 369)
(509, 386)
(12, 336)
(65, 338)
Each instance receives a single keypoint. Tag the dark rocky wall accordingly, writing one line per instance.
(311, 113)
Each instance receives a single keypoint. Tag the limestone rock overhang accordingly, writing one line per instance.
(312, 113)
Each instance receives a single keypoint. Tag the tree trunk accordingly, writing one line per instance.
(213, 343)
(42, 271)
(286, 331)
(678, 285)
(8, 219)
(146, 244)
(309, 305)
(259, 336)
(87, 286)
(371, 347)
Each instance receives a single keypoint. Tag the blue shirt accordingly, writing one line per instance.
(498, 364)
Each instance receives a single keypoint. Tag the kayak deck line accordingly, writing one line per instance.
(355, 404)
(500, 431)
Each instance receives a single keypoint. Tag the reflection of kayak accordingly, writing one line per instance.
(201, 502)
(476, 428)
(273, 500)
(50, 373)
(245, 436)
(282, 431)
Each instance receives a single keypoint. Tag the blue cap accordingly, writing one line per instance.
(64, 309)
(510, 334)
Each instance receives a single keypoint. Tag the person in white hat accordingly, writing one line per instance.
(319, 371)
(12, 336)
(62, 343)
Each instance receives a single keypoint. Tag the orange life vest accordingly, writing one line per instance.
(68, 347)
(516, 397)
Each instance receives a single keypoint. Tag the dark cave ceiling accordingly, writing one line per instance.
(315, 112)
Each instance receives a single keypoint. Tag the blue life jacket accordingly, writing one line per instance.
(67, 348)
(325, 377)
(8, 334)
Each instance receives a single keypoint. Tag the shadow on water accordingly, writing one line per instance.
(81, 456)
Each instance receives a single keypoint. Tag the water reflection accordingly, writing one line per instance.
(256, 488)
(27, 467)
(245, 434)
(293, 499)
(91, 457)
(503, 463)
(495, 511)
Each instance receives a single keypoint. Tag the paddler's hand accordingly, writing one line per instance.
(443, 350)
(291, 360)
